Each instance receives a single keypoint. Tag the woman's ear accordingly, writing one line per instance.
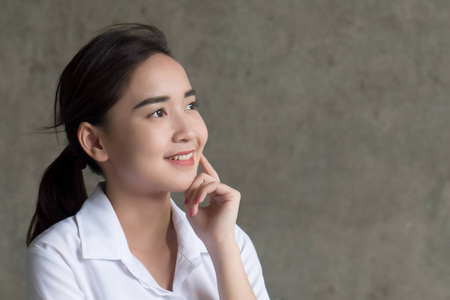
(90, 140)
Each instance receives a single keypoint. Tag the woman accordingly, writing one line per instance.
(129, 113)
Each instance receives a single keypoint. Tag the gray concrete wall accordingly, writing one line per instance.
(331, 117)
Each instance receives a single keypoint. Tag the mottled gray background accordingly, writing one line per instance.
(331, 117)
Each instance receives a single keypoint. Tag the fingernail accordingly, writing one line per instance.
(191, 212)
(197, 200)
(185, 201)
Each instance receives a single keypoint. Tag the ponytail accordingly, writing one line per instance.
(62, 192)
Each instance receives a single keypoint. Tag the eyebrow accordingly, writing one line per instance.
(153, 100)
(189, 93)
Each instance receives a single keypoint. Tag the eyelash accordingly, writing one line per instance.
(163, 110)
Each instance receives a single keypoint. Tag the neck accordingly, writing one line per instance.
(146, 219)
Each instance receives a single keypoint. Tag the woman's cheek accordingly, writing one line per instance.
(203, 133)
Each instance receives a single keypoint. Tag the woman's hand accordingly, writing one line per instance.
(214, 224)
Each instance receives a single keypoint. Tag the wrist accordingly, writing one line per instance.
(220, 242)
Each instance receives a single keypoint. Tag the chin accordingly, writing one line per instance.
(182, 184)
(180, 189)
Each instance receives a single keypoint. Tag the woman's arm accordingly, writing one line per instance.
(231, 277)
(215, 225)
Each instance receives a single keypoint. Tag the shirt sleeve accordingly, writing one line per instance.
(251, 264)
(50, 277)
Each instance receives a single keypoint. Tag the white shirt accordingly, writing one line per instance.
(87, 257)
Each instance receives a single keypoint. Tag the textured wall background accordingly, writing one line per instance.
(331, 118)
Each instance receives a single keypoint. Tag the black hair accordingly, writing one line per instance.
(89, 86)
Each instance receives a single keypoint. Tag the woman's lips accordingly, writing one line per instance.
(183, 159)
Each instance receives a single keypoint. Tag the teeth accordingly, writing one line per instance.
(181, 157)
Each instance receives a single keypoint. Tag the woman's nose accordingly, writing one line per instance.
(183, 129)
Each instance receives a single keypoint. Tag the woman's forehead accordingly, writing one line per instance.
(159, 74)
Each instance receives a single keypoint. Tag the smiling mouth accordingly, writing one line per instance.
(181, 157)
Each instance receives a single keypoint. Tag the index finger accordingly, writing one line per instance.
(206, 166)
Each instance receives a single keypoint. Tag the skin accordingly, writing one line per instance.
(133, 150)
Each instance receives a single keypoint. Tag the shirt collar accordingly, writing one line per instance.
(189, 244)
(102, 236)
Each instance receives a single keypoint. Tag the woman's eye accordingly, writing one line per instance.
(191, 106)
(158, 114)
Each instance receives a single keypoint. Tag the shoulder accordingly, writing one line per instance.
(55, 251)
(51, 263)
(242, 238)
(59, 237)
(249, 254)
(251, 263)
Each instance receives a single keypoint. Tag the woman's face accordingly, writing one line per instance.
(154, 135)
